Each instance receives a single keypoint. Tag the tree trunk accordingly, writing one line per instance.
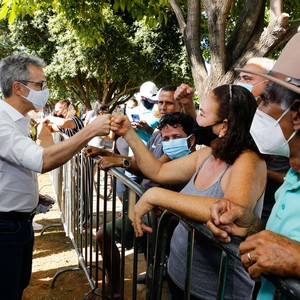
(250, 37)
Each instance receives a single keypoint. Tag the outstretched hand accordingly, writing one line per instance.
(120, 124)
(92, 151)
(106, 162)
(101, 125)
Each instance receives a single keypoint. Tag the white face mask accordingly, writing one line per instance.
(268, 135)
(37, 98)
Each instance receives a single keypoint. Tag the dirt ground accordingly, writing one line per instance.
(53, 252)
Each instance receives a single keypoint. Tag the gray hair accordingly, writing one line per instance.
(266, 64)
(14, 68)
(281, 95)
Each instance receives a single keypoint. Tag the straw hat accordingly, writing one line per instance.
(286, 70)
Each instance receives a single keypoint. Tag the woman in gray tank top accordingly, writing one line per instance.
(231, 168)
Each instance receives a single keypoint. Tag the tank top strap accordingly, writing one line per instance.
(199, 168)
(224, 171)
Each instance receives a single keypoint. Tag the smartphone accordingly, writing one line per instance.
(135, 118)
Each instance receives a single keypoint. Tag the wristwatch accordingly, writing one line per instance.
(126, 163)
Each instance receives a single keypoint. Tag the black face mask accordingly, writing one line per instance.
(204, 135)
(59, 116)
(147, 104)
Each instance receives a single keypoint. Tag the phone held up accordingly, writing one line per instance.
(135, 118)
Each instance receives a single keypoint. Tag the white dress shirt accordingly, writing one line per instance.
(20, 159)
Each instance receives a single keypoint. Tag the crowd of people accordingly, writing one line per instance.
(248, 142)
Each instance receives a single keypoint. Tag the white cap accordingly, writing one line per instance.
(149, 90)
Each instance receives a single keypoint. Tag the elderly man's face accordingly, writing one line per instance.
(287, 124)
(256, 81)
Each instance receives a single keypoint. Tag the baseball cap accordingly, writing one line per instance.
(149, 90)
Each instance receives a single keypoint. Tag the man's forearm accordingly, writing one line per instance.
(58, 154)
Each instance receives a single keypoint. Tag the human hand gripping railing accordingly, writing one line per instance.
(133, 191)
(285, 287)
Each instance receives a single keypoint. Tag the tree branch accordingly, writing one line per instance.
(217, 12)
(179, 15)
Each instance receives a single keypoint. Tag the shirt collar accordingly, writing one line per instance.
(292, 179)
(14, 114)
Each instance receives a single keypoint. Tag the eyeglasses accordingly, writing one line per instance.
(42, 84)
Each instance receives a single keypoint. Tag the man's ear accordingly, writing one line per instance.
(16, 88)
(192, 140)
(295, 110)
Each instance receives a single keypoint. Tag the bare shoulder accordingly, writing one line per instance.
(250, 161)
(202, 154)
(250, 155)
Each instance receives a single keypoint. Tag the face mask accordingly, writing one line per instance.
(249, 86)
(205, 135)
(176, 148)
(268, 136)
(37, 98)
(147, 104)
(59, 116)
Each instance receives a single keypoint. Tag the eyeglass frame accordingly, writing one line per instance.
(42, 84)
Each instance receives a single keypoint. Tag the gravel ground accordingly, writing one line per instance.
(53, 251)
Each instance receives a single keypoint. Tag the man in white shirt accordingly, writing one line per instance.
(24, 88)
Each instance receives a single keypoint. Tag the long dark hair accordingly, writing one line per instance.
(238, 106)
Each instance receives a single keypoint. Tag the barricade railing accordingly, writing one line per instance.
(87, 198)
(85, 201)
(286, 288)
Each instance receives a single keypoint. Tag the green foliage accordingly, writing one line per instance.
(129, 53)
(105, 49)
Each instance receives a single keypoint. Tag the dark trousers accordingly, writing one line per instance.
(16, 246)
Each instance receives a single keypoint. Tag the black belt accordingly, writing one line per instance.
(17, 216)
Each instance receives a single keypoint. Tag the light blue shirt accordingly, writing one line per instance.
(145, 115)
(284, 219)
(20, 159)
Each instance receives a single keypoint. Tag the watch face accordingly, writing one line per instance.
(126, 163)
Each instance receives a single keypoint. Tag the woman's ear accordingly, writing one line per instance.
(296, 115)
(224, 128)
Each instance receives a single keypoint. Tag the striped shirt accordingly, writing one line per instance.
(71, 131)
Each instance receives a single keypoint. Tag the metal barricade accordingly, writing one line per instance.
(83, 194)
(160, 253)
(286, 288)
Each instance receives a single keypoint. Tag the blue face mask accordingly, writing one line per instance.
(176, 148)
(247, 86)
